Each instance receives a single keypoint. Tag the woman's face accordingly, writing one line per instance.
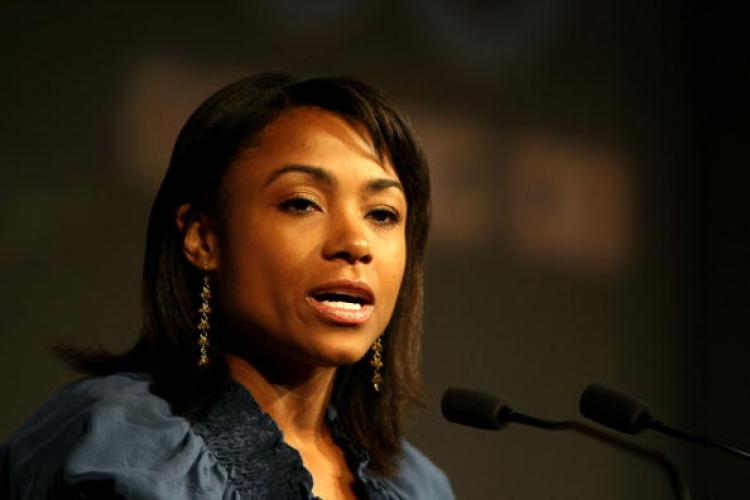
(313, 246)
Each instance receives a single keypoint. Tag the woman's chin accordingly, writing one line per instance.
(340, 355)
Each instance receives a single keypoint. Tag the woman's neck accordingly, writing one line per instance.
(298, 407)
(297, 404)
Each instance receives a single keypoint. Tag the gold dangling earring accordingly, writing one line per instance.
(377, 364)
(203, 324)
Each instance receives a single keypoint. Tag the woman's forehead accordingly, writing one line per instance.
(301, 124)
(314, 136)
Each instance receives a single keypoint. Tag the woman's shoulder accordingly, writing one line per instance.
(108, 432)
(418, 477)
(92, 398)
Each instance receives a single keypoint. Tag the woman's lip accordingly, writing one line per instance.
(358, 289)
(331, 313)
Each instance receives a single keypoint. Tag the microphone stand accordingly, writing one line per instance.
(624, 413)
(484, 411)
(678, 486)
(660, 426)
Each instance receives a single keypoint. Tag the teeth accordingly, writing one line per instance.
(343, 305)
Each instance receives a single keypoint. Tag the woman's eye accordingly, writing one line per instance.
(385, 216)
(298, 205)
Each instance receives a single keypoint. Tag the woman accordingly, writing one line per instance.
(282, 296)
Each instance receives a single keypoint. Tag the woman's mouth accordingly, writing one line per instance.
(345, 306)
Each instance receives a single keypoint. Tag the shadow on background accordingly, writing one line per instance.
(587, 213)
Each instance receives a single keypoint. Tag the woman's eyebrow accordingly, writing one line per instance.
(324, 177)
(377, 185)
(318, 174)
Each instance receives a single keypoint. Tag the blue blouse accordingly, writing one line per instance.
(110, 437)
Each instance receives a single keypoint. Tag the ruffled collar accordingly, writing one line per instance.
(250, 446)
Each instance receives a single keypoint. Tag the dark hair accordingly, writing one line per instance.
(217, 132)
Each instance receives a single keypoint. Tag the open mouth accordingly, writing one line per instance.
(350, 306)
(341, 300)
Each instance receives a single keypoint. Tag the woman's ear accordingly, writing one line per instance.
(200, 243)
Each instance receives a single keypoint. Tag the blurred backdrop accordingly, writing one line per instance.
(588, 220)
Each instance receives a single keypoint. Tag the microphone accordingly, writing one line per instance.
(485, 411)
(621, 412)
(475, 409)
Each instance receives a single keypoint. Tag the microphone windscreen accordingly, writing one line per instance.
(475, 409)
(614, 409)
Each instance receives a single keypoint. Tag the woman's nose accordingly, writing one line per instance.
(348, 240)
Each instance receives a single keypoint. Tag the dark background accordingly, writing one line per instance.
(589, 219)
